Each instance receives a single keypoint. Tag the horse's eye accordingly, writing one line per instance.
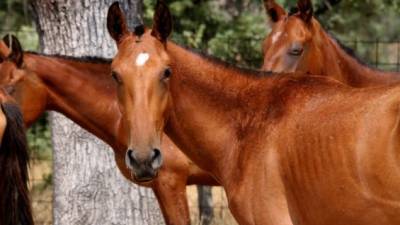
(167, 74)
(116, 77)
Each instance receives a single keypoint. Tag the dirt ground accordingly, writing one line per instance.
(41, 191)
(222, 215)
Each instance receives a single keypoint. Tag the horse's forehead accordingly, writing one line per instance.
(144, 56)
(134, 53)
(141, 53)
(138, 47)
(296, 26)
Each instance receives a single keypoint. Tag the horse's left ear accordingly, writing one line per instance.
(116, 22)
(274, 11)
(17, 53)
(306, 10)
(162, 22)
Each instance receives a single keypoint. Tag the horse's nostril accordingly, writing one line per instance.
(156, 159)
(131, 158)
(129, 153)
(156, 154)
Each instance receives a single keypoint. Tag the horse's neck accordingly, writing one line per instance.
(80, 91)
(206, 116)
(355, 73)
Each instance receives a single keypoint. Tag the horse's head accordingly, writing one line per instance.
(141, 70)
(11, 62)
(293, 39)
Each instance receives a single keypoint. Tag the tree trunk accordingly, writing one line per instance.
(89, 188)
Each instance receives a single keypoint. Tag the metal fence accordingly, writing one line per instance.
(384, 55)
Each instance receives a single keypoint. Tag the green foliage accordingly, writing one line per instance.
(355, 19)
(230, 32)
(26, 35)
(39, 140)
(15, 18)
(234, 30)
(46, 182)
(370, 19)
(13, 14)
(240, 43)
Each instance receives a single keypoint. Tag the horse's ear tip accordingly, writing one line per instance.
(7, 37)
(115, 4)
(306, 9)
(114, 7)
(161, 4)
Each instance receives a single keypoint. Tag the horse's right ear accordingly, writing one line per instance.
(274, 11)
(17, 53)
(306, 10)
(116, 22)
(162, 22)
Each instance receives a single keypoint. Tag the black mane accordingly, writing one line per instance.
(230, 66)
(349, 51)
(85, 59)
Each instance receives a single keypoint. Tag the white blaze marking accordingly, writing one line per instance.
(276, 36)
(142, 58)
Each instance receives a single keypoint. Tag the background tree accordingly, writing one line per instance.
(99, 195)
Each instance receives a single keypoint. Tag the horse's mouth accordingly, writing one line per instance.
(146, 179)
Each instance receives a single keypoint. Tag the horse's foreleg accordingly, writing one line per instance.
(171, 195)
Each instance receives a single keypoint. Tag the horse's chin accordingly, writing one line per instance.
(144, 180)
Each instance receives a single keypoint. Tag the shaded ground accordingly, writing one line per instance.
(222, 215)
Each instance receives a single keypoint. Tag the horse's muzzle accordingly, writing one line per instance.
(144, 169)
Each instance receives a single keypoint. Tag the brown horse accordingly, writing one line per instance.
(287, 149)
(15, 205)
(298, 43)
(40, 82)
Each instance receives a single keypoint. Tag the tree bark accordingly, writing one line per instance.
(89, 188)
